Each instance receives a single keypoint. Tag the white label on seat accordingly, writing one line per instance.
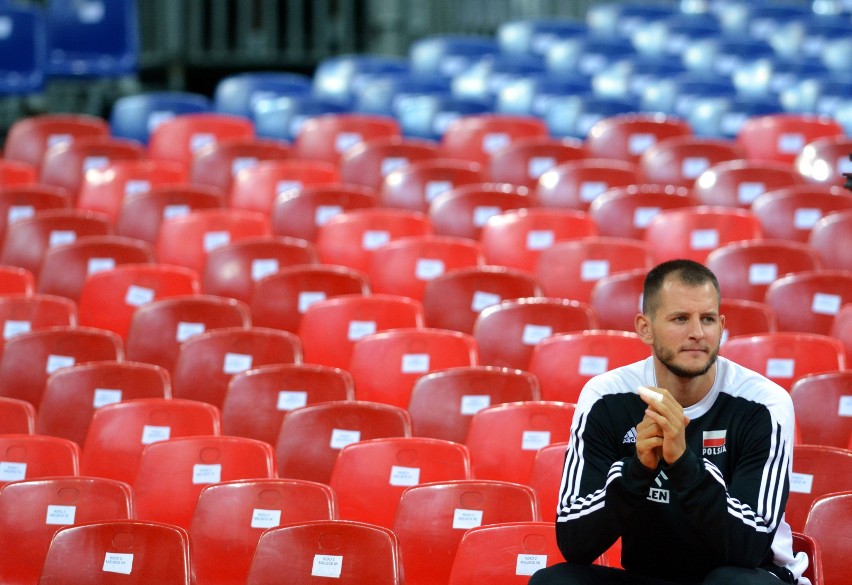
(593, 270)
(261, 267)
(19, 212)
(54, 362)
(589, 190)
(284, 186)
(358, 329)
(265, 518)
(57, 139)
(118, 563)
(6, 27)
(242, 162)
(428, 268)
(186, 330)
(535, 440)
(60, 515)
(801, 483)
(327, 566)
(535, 333)
(372, 239)
(704, 239)
(640, 142)
(528, 564)
(747, 192)
(826, 304)
(482, 213)
(158, 117)
(308, 298)
(762, 273)
(473, 403)
(435, 188)
(290, 399)
(204, 473)
(12, 471)
(12, 328)
(104, 396)
(135, 187)
(346, 140)
(90, 11)
(780, 368)
(392, 163)
(138, 295)
(415, 363)
(538, 165)
(592, 365)
(236, 363)
(642, 216)
(464, 519)
(483, 299)
(791, 143)
(95, 163)
(58, 237)
(152, 434)
(804, 218)
(540, 239)
(495, 141)
(342, 437)
(844, 407)
(693, 166)
(404, 476)
(200, 140)
(170, 211)
(99, 265)
(323, 213)
(213, 240)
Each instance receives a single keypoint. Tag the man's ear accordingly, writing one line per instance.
(643, 328)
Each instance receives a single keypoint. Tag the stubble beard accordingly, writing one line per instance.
(667, 358)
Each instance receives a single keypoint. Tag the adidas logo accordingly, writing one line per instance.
(630, 436)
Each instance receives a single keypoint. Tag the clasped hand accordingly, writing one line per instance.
(661, 436)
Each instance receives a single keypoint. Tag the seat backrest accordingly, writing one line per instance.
(178, 138)
(784, 356)
(17, 417)
(626, 137)
(477, 137)
(107, 552)
(546, 477)
(625, 212)
(781, 137)
(330, 328)
(158, 329)
(23, 50)
(280, 299)
(21, 313)
(72, 395)
(218, 164)
(135, 116)
(299, 213)
(32, 511)
(15, 280)
(172, 473)
(746, 269)
(231, 516)
(617, 299)
(515, 551)
(240, 93)
(118, 433)
(17, 173)
(737, 183)
(66, 267)
(822, 406)
(462, 211)
(809, 545)
(233, 269)
(841, 329)
(507, 333)
(414, 186)
(575, 184)
(433, 518)
(142, 215)
(310, 438)
(386, 365)
(368, 163)
(817, 470)
(564, 362)
(206, 363)
(790, 213)
(257, 188)
(830, 236)
(19, 202)
(524, 428)
(29, 358)
(361, 553)
(109, 298)
(328, 136)
(746, 318)
(369, 477)
(443, 402)
(524, 161)
(258, 399)
(37, 456)
(827, 524)
(29, 138)
(681, 160)
(809, 301)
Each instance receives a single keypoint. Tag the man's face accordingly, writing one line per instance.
(686, 328)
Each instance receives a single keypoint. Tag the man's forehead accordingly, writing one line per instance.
(691, 296)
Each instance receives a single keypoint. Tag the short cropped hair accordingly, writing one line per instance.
(688, 272)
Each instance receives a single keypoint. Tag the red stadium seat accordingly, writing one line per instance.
(681, 160)
(180, 137)
(828, 524)
(17, 173)
(37, 457)
(841, 329)
(823, 408)
(546, 477)
(508, 332)
(299, 213)
(626, 212)
(258, 399)
(782, 137)
(29, 138)
(257, 188)
(747, 318)
(791, 212)
(809, 301)
(462, 211)
(416, 185)
(118, 433)
(476, 137)
(808, 545)
(22, 313)
(564, 363)
(626, 137)
(617, 299)
(824, 160)
(830, 236)
(368, 163)
(443, 402)
(21, 202)
(327, 137)
(737, 183)
(15, 281)
(141, 216)
(17, 417)
(817, 470)
(523, 161)
(217, 165)
(575, 184)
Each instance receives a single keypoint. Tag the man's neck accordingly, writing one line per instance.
(687, 391)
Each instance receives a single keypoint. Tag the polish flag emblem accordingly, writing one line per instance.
(714, 439)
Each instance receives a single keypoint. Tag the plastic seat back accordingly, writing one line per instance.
(841, 329)
(821, 402)
(369, 163)
(415, 185)
(809, 301)
(310, 438)
(462, 211)
(627, 136)
(626, 212)
(17, 417)
(575, 184)
(36, 457)
(118, 433)
(15, 280)
(180, 137)
(23, 49)
(524, 161)
(17, 174)
(257, 188)
(826, 522)
(477, 137)
(217, 165)
(546, 477)
(825, 159)
(817, 470)
(564, 363)
(737, 183)
(328, 136)
(781, 137)
(790, 213)
(135, 116)
(809, 545)
(140, 216)
(617, 299)
(29, 138)
(829, 237)
(241, 93)
(299, 213)
(19, 202)
(681, 160)
(22, 313)
(747, 318)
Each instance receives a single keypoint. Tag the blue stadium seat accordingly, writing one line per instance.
(282, 118)
(239, 93)
(449, 55)
(720, 117)
(573, 116)
(535, 36)
(588, 54)
(379, 92)
(337, 78)
(428, 116)
(623, 18)
(136, 116)
(672, 34)
(628, 79)
(483, 80)
(22, 49)
(677, 95)
(725, 54)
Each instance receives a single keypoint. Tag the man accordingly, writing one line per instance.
(694, 480)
